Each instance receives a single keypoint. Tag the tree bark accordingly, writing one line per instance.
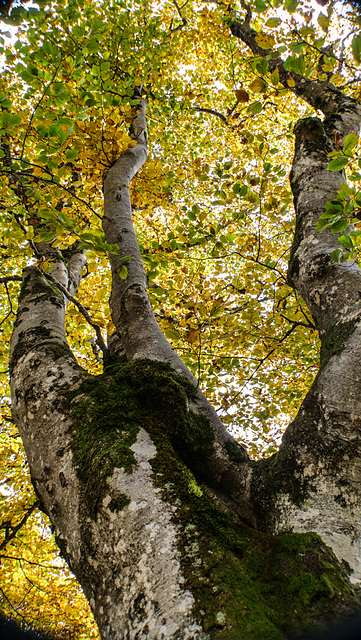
(164, 519)
(313, 483)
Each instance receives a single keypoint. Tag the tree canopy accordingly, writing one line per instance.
(212, 208)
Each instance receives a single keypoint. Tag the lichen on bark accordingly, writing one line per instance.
(245, 584)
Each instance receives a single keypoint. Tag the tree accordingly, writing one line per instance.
(170, 527)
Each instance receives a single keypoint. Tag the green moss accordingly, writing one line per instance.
(119, 503)
(246, 584)
(109, 410)
(334, 340)
(235, 451)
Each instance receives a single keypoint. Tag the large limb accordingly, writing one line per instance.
(314, 482)
(136, 325)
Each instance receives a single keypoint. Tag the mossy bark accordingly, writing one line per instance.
(170, 528)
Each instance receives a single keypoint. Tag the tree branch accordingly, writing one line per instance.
(7, 279)
(213, 113)
(10, 531)
(321, 95)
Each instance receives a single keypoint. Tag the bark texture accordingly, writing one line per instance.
(167, 524)
(313, 483)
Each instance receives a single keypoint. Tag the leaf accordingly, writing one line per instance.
(241, 95)
(123, 272)
(273, 22)
(335, 255)
(337, 164)
(192, 336)
(323, 21)
(260, 6)
(275, 77)
(71, 154)
(257, 86)
(339, 226)
(172, 333)
(356, 47)
(350, 142)
(290, 81)
(265, 41)
(291, 5)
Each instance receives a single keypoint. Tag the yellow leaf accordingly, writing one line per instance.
(257, 86)
(191, 336)
(291, 82)
(265, 40)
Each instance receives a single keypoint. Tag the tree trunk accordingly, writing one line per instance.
(172, 531)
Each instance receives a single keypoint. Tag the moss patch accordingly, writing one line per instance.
(334, 340)
(119, 503)
(246, 584)
(109, 410)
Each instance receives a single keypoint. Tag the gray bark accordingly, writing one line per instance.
(154, 506)
(316, 474)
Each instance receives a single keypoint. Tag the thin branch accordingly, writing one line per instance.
(82, 310)
(12, 607)
(24, 174)
(7, 279)
(10, 531)
(35, 564)
(213, 113)
(179, 11)
(260, 363)
(295, 323)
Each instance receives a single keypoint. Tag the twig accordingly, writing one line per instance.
(23, 174)
(213, 113)
(10, 531)
(295, 323)
(7, 279)
(184, 20)
(36, 564)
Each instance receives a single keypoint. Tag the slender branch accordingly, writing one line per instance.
(24, 174)
(7, 279)
(213, 113)
(35, 564)
(10, 531)
(309, 325)
(12, 606)
(83, 311)
(179, 11)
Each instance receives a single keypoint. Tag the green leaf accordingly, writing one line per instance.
(261, 6)
(273, 22)
(323, 21)
(337, 164)
(335, 255)
(123, 272)
(350, 142)
(172, 333)
(346, 241)
(291, 5)
(255, 107)
(71, 154)
(356, 48)
(339, 226)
